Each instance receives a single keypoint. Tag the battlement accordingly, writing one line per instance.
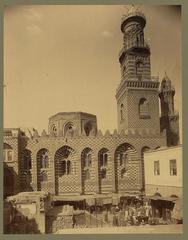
(135, 133)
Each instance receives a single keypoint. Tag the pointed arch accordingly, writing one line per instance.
(124, 155)
(122, 111)
(65, 167)
(87, 165)
(69, 129)
(42, 167)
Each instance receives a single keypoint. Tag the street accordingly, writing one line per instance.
(166, 229)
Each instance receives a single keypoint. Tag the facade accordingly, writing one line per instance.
(74, 157)
(163, 171)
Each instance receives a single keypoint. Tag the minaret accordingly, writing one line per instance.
(137, 94)
(169, 120)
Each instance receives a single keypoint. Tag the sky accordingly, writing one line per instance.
(62, 58)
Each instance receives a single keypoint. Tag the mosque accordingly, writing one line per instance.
(75, 158)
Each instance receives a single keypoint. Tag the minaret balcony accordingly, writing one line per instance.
(133, 47)
(133, 16)
(136, 84)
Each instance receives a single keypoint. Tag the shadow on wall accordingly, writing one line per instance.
(17, 223)
(8, 181)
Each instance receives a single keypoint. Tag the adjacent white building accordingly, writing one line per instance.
(163, 171)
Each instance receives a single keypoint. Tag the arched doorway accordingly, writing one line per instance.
(42, 168)
(103, 169)
(66, 178)
(126, 168)
(88, 174)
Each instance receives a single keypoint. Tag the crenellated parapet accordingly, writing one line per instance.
(130, 133)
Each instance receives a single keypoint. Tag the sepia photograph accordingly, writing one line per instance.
(92, 119)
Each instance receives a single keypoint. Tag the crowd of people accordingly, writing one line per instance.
(134, 214)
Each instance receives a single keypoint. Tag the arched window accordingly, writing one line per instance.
(87, 162)
(144, 108)
(42, 158)
(69, 129)
(123, 159)
(66, 167)
(88, 127)
(9, 155)
(103, 159)
(64, 161)
(7, 152)
(54, 129)
(122, 111)
(139, 69)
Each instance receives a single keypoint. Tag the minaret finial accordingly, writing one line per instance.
(131, 8)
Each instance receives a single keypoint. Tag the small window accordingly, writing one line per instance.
(144, 109)
(69, 129)
(122, 111)
(156, 168)
(88, 127)
(54, 129)
(173, 167)
(139, 70)
(9, 154)
(103, 159)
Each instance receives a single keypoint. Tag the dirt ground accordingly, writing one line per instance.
(166, 229)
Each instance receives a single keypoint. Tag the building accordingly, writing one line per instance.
(74, 158)
(163, 171)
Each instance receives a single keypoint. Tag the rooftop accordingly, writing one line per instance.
(164, 149)
(72, 113)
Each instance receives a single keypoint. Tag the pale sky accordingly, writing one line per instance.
(60, 58)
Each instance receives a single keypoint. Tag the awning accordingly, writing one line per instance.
(68, 198)
(159, 198)
(90, 201)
